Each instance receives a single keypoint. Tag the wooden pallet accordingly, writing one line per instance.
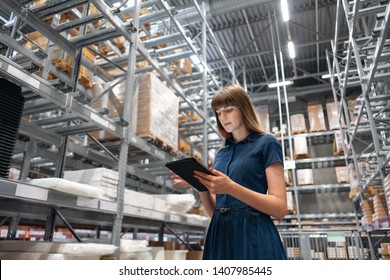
(302, 156)
(157, 142)
(298, 132)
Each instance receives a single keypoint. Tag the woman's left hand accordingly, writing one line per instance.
(218, 183)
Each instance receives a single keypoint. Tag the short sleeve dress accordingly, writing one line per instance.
(238, 231)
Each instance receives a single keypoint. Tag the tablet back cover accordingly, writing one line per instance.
(185, 169)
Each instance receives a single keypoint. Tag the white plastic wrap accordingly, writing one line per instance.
(300, 147)
(178, 203)
(332, 113)
(298, 124)
(305, 177)
(263, 116)
(316, 118)
(70, 187)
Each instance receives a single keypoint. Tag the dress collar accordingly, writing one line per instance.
(252, 137)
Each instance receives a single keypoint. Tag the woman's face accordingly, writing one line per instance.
(230, 118)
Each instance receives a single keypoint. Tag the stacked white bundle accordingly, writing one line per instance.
(70, 187)
(103, 178)
(41, 250)
(178, 203)
(138, 199)
(134, 250)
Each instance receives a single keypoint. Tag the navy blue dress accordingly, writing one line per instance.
(238, 231)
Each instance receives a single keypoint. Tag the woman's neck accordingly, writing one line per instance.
(240, 135)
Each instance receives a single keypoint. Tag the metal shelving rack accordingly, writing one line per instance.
(70, 98)
(363, 60)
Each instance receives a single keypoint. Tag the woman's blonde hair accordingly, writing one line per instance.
(235, 95)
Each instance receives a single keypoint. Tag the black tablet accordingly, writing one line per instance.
(185, 169)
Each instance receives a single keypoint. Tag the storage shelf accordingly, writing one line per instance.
(35, 201)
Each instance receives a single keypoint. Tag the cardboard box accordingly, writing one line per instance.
(316, 118)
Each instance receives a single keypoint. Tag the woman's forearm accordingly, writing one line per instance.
(208, 201)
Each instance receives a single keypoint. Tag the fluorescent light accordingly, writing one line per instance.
(327, 76)
(285, 13)
(291, 49)
(280, 84)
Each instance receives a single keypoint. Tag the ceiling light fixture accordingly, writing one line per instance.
(291, 49)
(285, 13)
(280, 84)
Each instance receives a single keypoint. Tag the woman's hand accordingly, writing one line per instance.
(218, 183)
(178, 181)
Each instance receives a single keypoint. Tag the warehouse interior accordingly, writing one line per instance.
(97, 95)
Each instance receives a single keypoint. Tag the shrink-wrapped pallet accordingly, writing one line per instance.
(300, 147)
(333, 119)
(305, 177)
(342, 174)
(298, 124)
(263, 116)
(338, 144)
(316, 118)
(155, 109)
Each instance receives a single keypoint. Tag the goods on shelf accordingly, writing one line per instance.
(316, 118)
(386, 188)
(288, 177)
(155, 110)
(103, 178)
(298, 124)
(342, 174)
(50, 250)
(338, 144)
(380, 207)
(177, 203)
(333, 118)
(337, 250)
(368, 210)
(134, 250)
(66, 186)
(263, 116)
(139, 199)
(300, 147)
(184, 146)
(290, 203)
(305, 177)
(384, 250)
(293, 252)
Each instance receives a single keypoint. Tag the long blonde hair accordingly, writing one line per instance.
(235, 95)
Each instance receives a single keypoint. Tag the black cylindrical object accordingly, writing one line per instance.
(11, 109)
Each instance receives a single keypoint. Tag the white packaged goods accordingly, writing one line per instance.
(53, 250)
(70, 187)
(138, 199)
(300, 147)
(103, 178)
(333, 118)
(175, 254)
(134, 250)
(316, 118)
(305, 177)
(263, 116)
(178, 203)
(342, 174)
(298, 124)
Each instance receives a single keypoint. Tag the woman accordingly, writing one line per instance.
(247, 185)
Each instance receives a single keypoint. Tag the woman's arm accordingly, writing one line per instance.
(274, 203)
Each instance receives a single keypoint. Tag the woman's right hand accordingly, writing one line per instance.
(178, 181)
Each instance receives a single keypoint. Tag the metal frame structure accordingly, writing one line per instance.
(364, 61)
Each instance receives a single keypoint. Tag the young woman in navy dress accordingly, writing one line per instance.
(247, 186)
